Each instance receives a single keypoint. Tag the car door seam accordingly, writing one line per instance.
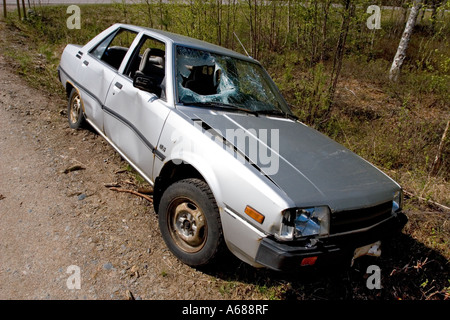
(118, 117)
(135, 130)
(81, 87)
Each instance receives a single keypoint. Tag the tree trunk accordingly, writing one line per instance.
(403, 45)
(18, 9)
(234, 24)
(219, 22)
(24, 10)
(437, 160)
(325, 10)
(149, 12)
(348, 13)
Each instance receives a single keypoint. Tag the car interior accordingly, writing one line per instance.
(201, 80)
(148, 60)
(114, 56)
(151, 64)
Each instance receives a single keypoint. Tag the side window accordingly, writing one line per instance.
(113, 48)
(155, 52)
(149, 60)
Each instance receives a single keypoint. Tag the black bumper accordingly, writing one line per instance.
(289, 256)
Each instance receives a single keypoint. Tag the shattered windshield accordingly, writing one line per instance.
(205, 78)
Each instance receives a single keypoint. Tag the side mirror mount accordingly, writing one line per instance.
(146, 83)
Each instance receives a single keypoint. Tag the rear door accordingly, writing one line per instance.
(134, 118)
(98, 68)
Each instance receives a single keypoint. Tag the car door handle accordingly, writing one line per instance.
(118, 85)
(86, 63)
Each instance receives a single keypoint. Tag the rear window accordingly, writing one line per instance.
(113, 48)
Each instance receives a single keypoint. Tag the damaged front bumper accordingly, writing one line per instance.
(332, 250)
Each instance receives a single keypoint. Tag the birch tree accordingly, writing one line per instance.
(404, 41)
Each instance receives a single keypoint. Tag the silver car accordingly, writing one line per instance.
(232, 168)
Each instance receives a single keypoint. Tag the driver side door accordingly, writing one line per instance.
(134, 118)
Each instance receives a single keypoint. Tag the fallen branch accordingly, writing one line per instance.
(130, 182)
(74, 168)
(132, 192)
(110, 185)
(437, 159)
(411, 195)
(145, 190)
(129, 295)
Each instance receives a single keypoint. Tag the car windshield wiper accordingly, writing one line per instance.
(219, 105)
(278, 113)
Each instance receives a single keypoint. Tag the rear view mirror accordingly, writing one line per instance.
(146, 83)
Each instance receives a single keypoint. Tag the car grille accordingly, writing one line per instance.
(344, 221)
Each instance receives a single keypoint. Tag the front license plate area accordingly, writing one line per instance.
(372, 249)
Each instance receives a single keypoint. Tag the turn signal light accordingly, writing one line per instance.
(308, 261)
(255, 215)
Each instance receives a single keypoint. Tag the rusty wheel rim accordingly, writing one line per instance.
(75, 108)
(187, 225)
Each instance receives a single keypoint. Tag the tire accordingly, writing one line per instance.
(190, 223)
(75, 110)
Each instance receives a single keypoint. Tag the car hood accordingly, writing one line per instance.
(310, 168)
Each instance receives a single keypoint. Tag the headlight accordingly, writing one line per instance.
(397, 201)
(304, 222)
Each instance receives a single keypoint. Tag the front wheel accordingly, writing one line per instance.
(190, 223)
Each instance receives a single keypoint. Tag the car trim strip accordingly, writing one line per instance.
(78, 85)
(136, 131)
(237, 216)
(121, 153)
(155, 151)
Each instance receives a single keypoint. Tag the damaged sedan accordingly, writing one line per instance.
(231, 167)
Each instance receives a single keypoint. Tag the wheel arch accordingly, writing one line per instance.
(175, 170)
(69, 86)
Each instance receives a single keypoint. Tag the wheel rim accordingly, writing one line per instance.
(75, 108)
(187, 225)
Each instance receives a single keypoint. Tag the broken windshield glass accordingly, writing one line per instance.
(205, 77)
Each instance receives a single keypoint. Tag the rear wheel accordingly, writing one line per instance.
(75, 110)
(189, 222)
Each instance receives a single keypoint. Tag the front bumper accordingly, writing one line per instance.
(335, 249)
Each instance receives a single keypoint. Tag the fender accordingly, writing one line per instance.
(201, 166)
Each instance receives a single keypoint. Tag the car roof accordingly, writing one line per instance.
(181, 40)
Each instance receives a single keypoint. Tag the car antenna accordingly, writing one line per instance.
(241, 44)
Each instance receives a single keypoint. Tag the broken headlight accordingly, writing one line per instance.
(304, 222)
